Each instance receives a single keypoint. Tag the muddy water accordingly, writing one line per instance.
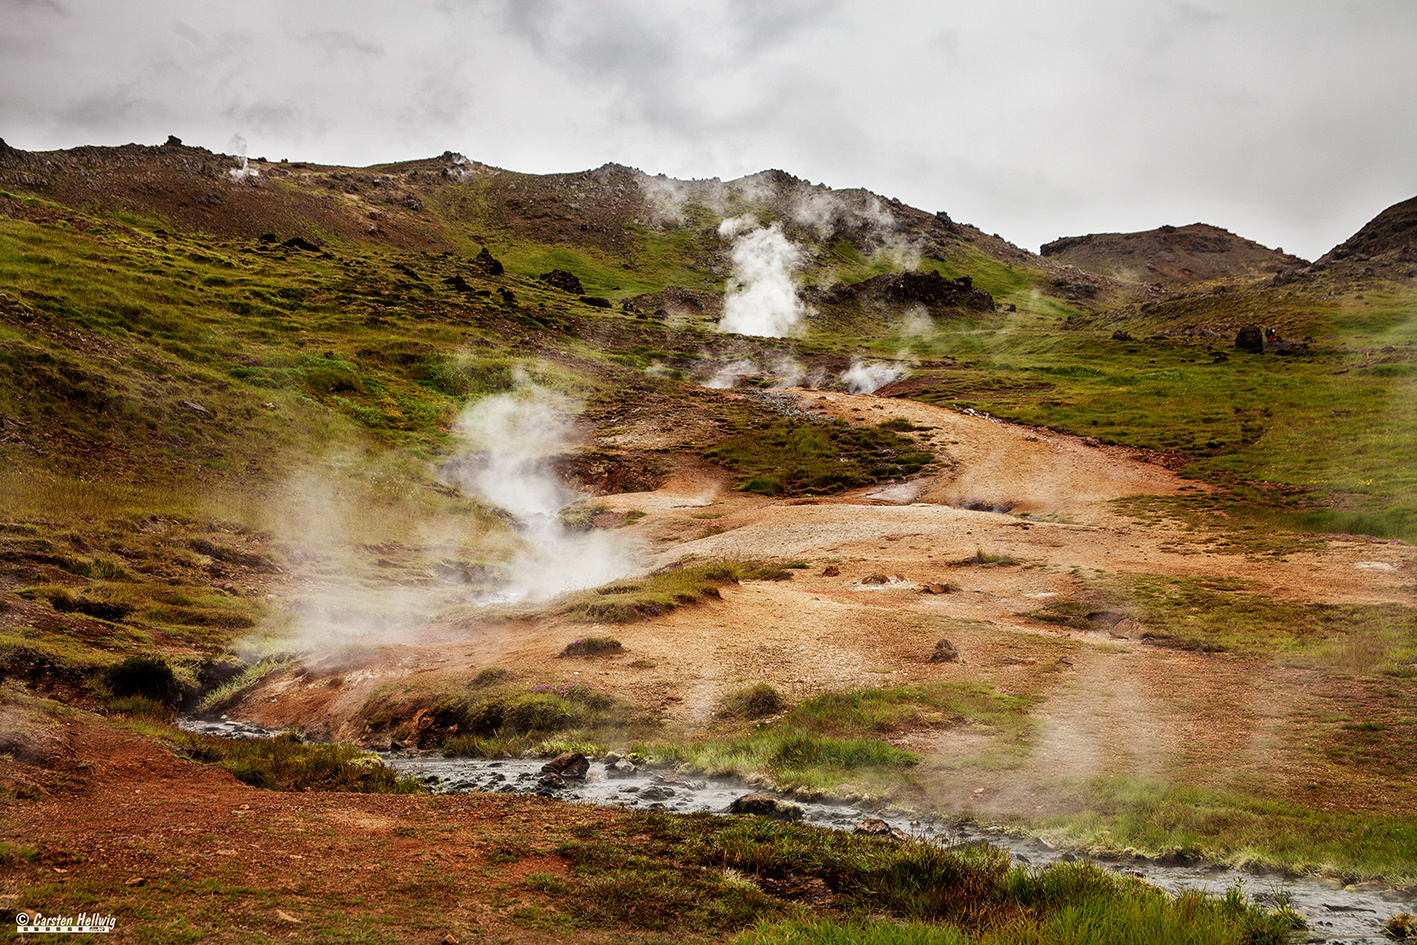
(1334, 913)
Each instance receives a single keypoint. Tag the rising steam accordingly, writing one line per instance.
(239, 174)
(513, 439)
(868, 377)
(762, 293)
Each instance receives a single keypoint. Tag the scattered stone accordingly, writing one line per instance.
(876, 578)
(765, 805)
(1120, 335)
(876, 827)
(135, 881)
(596, 301)
(287, 917)
(551, 780)
(297, 242)
(936, 588)
(568, 765)
(656, 792)
(831, 571)
(945, 652)
(196, 408)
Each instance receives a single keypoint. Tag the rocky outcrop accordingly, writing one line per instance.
(1168, 255)
(1391, 234)
(912, 287)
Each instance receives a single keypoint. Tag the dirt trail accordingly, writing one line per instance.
(818, 631)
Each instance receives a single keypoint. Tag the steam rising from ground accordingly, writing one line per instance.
(239, 174)
(868, 377)
(514, 438)
(762, 292)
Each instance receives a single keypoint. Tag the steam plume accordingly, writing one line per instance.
(762, 294)
(239, 174)
(514, 438)
(867, 378)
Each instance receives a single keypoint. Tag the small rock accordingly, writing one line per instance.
(135, 881)
(945, 652)
(935, 588)
(656, 792)
(620, 769)
(876, 578)
(765, 805)
(551, 780)
(876, 827)
(831, 571)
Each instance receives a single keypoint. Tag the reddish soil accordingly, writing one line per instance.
(1212, 715)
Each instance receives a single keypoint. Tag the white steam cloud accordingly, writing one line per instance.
(762, 293)
(868, 377)
(515, 437)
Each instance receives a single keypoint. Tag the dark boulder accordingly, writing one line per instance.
(596, 301)
(1250, 339)
(487, 263)
(568, 765)
(563, 280)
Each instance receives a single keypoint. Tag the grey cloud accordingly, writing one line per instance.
(340, 41)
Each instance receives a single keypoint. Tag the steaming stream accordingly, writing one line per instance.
(1349, 915)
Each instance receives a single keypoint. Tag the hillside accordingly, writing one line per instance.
(750, 479)
(1389, 238)
(1170, 256)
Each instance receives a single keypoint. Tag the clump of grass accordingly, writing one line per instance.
(490, 676)
(981, 556)
(506, 720)
(1401, 927)
(752, 702)
(286, 763)
(656, 594)
(592, 647)
(150, 678)
(787, 457)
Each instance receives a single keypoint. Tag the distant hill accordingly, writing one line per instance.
(1389, 236)
(1170, 256)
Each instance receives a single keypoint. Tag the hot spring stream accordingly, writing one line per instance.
(1334, 913)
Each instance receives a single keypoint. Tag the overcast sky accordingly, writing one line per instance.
(1291, 123)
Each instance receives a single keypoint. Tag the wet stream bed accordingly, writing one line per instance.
(1334, 912)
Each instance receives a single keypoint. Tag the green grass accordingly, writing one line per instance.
(785, 457)
(1226, 615)
(648, 597)
(838, 737)
(286, 763)
(711, 873)
(1118, 813)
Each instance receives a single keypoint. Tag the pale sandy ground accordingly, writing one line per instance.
(1112, 704)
